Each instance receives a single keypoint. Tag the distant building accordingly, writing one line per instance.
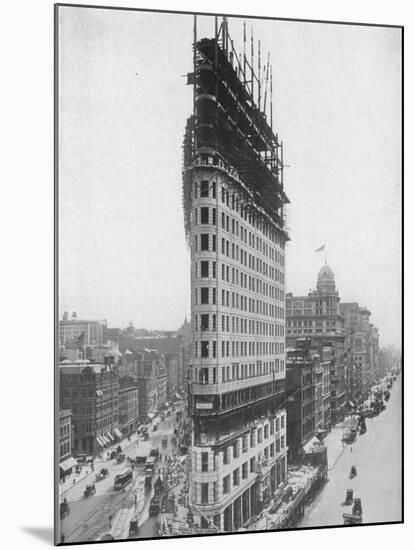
(128, 408)
(151, 378)
(74, 330)
(362, 346)
(91, 392)
(318, 316)
(306, 385)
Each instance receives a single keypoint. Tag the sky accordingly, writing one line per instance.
(123, 105)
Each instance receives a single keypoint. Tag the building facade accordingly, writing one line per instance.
(308, 395)
(149, 368)
(233, 200)
(318, 316)
(65, 434)
(74, 329)
(91, 392)
(128, 408)
(362, 344)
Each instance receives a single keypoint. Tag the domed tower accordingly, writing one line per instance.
(326, 280)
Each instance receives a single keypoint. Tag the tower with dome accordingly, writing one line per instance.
(317, 316)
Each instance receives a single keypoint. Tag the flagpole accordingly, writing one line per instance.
(326, 254)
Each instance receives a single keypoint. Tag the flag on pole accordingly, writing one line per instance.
(320, 249)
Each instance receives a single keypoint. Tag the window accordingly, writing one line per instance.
(204, 215)
(204, 462)
(204, 269)
(204, 348)
(204, 321)
(266, 431)
(204, 295)
(236, 477)
(204, 493)
(244, 470)
(204, 189)
(259, 435)
(226, 485)
(204, 241)
(252, 465)
(226, 456)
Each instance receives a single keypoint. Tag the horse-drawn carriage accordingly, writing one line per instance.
(89, 490)
(64, 509)
(102, 474)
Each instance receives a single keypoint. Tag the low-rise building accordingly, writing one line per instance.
(91, 392)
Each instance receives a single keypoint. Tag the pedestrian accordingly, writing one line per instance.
(110, 521)
(351, 448)
(135, 499)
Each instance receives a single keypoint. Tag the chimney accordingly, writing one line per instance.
(65, 316)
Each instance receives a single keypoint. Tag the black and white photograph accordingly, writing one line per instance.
(228, 274)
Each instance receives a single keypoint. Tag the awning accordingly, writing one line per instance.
(314, 442)
(68, 464)
(118, 432)
(151, 416)
(352, 405)
(110, 436)
(105, 440)
(100, 441)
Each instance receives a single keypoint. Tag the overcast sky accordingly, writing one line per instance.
(123, 108)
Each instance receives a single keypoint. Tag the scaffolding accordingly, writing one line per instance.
(232, 121)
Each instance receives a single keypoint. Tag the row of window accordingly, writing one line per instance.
(208, 295)
(64, 448)
(231, 225)
(207, 189)
(208, 349)
(207, 269)
(208, 375)
(65, 429)
(230, 323)
(241, 473)
(207, 242)
(248, 282)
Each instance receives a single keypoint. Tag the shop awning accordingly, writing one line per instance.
(110, 436)
(351, 404)
(68, 464)
(105, 440)
(100, 441)
(314, 442)
(118, 432)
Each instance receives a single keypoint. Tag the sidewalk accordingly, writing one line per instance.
(87, 473)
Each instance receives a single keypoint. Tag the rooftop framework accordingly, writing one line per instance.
(231, 97)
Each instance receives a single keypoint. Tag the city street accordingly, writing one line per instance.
(377, 457)
(89, 517)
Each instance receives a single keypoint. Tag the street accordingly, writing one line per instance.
(89, 517)
(377, 457)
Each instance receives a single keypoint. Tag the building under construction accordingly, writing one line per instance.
(234, 197)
